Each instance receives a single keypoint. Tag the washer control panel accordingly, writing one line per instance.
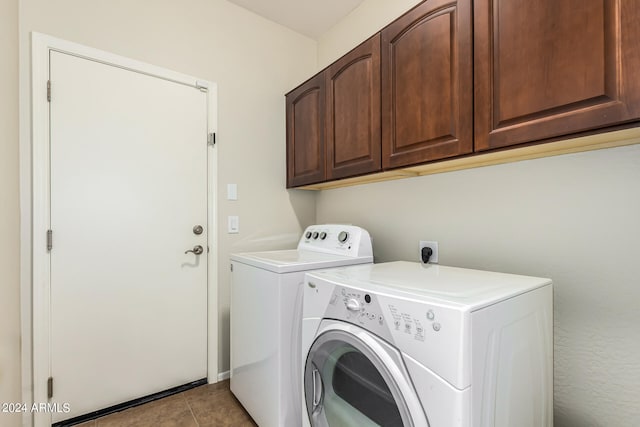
(433, 332)
(412, 323)
(360, 308)
(383, 317)
(347, 240)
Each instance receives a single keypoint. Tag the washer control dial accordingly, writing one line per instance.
(308, 235)
(315, 235)
(353, 304)
(343, 237)
(323, 235)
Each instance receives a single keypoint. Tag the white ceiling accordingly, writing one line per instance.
(309, 17)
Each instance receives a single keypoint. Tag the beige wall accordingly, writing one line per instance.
(253, 61)
(368, 18)
(574, 218)
(9, 212)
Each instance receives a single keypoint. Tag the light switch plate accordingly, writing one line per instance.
(232, 191)
(233, 224)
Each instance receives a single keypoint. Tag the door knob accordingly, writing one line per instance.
(197, 249)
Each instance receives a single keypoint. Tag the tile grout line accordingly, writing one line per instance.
(190, 409)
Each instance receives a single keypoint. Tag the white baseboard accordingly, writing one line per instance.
(224, 375)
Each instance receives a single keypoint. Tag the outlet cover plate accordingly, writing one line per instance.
(434, 247)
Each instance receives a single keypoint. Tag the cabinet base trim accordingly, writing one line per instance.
(575, 145)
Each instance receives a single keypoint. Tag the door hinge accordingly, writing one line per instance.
(202, 86)
(50, 387)
(48, 90)
(49, 240)
(231, 265)
(211, 139)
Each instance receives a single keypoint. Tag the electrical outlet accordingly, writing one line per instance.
(434, 248)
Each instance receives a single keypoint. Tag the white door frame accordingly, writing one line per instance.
(36, 352)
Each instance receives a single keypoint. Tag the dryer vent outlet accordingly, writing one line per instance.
(433, 259)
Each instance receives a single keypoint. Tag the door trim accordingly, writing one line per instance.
(35, 195)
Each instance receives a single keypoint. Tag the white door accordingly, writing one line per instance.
(128, 186)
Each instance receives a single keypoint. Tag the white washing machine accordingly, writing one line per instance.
(266, 310)
(401, 344)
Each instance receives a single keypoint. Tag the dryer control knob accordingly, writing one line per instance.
(353, 304)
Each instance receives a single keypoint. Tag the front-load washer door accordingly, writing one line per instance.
(353, 378)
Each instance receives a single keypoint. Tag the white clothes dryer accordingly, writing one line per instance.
(405, 345)
(266, 310)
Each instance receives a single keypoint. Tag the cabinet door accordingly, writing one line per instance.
(427, 84)
(353, 112)
(305, 133)
(548, 68)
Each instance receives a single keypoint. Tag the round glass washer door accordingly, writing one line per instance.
(352, 378)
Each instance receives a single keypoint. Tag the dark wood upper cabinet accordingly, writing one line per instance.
(427, 84)
(353, 112)
(305, 107)
(548, 68)
(458, 77)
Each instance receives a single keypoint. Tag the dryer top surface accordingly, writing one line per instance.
(461, 287)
